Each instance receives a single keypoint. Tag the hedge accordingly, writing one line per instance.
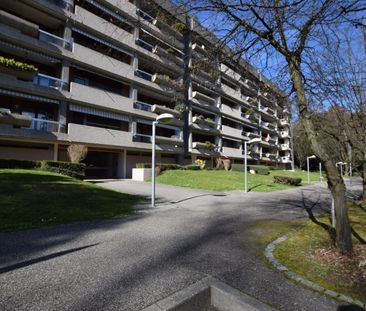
(22, 164)
(75, 170)
(287, 180)
(192, 167)
(259, 169)
(163, 166)
(12, 63)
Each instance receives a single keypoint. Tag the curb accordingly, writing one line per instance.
(269, 255)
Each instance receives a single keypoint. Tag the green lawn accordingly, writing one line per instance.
(32, 199)
(309, 252)
(220, 180)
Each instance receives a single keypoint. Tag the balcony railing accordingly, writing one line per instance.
(142, 106)
(49, 37)
(64, 4)
(145, 15)
(141, 138)
(145, 45)
(143, 74)
(48, 81)
(45, 125)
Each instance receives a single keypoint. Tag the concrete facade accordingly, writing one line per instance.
(106, 68)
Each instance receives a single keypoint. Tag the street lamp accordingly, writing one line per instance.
(308, 165)
(246, 143)
(164, 118)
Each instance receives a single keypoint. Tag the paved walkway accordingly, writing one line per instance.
(127, 264)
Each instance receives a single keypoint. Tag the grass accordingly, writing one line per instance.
(221, 180)
(33, 199)
(310, 253)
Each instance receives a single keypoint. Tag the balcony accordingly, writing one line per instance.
(231, 92)
(231, 74)
(230, 131)
(159, 109)
(170, 144)
(94, 59)
(268, 111)
(285, 159)
(99, 136)
(106, 29)
(232, 112)
(232, 152)
(205, 148)
(48, 81)
(51, 38)
(285, 147)
(285, 122)
(169, 35)
(46, 125)
(142, 106)
(63, 4)
(284, 134)
(100, 98)
(144, 75)
(249, 86)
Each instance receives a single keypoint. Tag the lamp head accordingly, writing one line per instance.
(165, 118)
(254, 140)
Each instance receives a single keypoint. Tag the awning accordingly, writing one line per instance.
(29, 96)
(99, 113)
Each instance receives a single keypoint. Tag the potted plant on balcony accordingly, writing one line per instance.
(180, 107)
(20, 70)
(18, 120)
(209, 145)
(249, 112)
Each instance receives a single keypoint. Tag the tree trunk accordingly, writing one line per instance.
(335, 181)
(363, 175)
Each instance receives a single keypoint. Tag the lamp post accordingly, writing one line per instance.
(163, 119)
(246, 143)
(308, 165)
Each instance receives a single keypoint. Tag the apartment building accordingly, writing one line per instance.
(106, 68)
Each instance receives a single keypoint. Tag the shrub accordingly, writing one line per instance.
(180, 107)
(259, 169)
(12, 63)
(192, 167)
(201, 163)
(287, 180)
(237, 167)
(77, 153)
(76, 170)
(163, 166)
(24, 164)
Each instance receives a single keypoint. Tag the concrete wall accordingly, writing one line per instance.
(26, 153)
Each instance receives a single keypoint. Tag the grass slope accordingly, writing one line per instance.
(31, 199)
(220, 180)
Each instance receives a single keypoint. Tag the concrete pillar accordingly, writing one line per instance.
(55, 152)
(121, 170)
(124, 163)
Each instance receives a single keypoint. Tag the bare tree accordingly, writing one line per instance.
(77, 153)
(287, 29)
(341, 84)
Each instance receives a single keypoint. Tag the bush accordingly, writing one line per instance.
(192, 167)
(163, 166)
(23, 164)
(259, 169)
(237, 167)
(287, 180)
(76, 170)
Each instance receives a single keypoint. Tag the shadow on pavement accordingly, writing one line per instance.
(43, 258)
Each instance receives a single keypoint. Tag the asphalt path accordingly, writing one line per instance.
(129, 263)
